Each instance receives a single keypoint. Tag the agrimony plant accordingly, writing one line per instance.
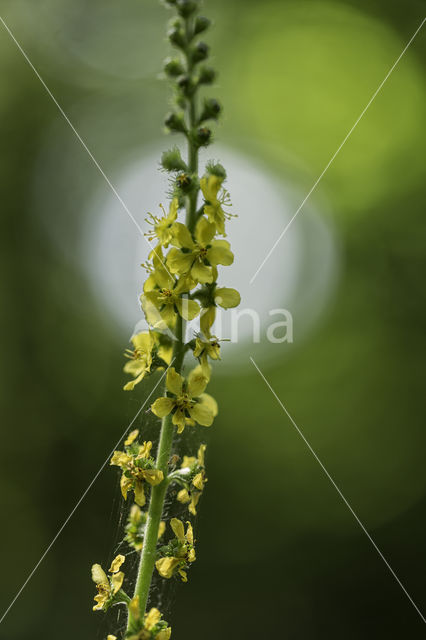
(181, 286)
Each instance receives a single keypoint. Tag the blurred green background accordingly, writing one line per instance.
(279, 554)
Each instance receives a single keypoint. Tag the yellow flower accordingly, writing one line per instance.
(179, 553)
(108, 587)
(147, 346)
(162, 227)
(205, 349)
(135, 528)
(188, 403)
(191, 493)
(227, 298)
(213, 208)
(140, 358)
(218, 296)
(197, 258)
(138, 467)
(154, 628)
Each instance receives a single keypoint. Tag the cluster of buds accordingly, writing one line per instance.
(182, 285)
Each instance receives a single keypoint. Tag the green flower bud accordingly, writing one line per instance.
(201, 24)
(216, 169)
(175, 122)
(202, 136)
(211, 110)
(176, 36)
(207, 75)
(184, 182)
(172, 160)
(186, 7)
(199, 52)
(173, 67)
(186, 85)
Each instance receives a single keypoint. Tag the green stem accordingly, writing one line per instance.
(158, 493)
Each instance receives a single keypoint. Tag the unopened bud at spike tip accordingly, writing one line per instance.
(201, 24)
(186, 7)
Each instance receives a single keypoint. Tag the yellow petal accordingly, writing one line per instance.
(204, 231)
(131, 437)
(201, 272)
(152, 618)
(182, 236)
(117, 581)
(189, 533)
(165, 634)
(174, 381)
(178, 529)
(162, 406)
(188, 461)
(135, 367)
(153, 476)
(99, 576)
(144, 450)
(194, 501)
(166, 566)
(188, 309)
(197, 382)
(116, 563)
(227, 298)
(120, 459)
(202, 414)
(140, 498)
(129, 386)
(200, 455)
(150, 304)
(207, 400)
(125, 485)
(179, 262)
(191, 555)
(178, 420)
(207, 320)
(134, 607)
(220, 253)
(143, 341)
(111, 637)
(198, 481)
(173, 210)
(161, 529)
(183, 496)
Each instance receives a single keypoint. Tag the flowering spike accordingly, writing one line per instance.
(181, 285)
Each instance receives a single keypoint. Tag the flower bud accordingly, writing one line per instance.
(172, 160)
(176, 36)
(186, 85)
(186, 7)
(207, 75)
(199, 52)
(173, 67)
(201, 24)
(175, 122)
(202, 136)
(184, 182)
(211, 110)
(216, 169)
